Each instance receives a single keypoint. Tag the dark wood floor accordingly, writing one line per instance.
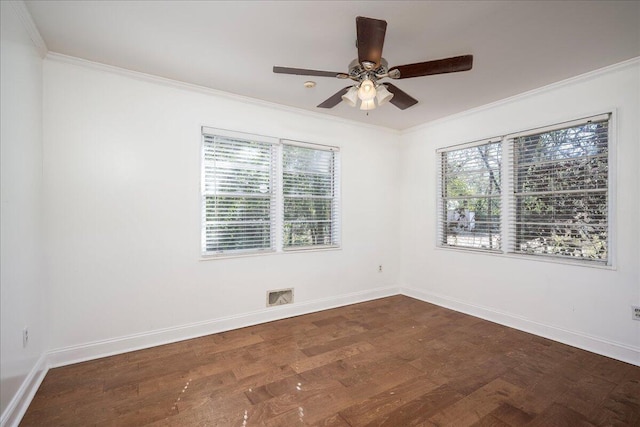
(394, 361)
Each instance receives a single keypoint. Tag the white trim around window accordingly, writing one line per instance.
(262, 195)
(556, 192)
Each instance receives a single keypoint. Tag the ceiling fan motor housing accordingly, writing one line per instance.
(359, 73)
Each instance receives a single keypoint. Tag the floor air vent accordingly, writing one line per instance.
(279, 297)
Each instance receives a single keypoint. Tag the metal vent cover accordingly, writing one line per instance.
(279, 297)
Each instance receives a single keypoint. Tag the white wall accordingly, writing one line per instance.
(586, 307)
(21, 286)
(122, 203)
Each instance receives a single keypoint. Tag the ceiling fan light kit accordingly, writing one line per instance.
(351, 97)
(383, 95)
(367, 90)
(370, 67)
(367, 105)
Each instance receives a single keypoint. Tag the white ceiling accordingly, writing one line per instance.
(233, 45)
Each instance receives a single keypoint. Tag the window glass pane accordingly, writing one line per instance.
(561, 196)
(304, 209)
(238, 195)
(222, 179)
(226, 209)
(310, 199)
(309, 160)
(307, 233)
(226, 237)
(470, 197)
(307, 183)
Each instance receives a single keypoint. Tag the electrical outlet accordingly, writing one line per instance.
(635, 312)
(25, 337)
(380, 268)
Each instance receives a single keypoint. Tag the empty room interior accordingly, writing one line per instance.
(280, 213)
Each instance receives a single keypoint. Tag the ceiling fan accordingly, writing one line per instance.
(370, 67)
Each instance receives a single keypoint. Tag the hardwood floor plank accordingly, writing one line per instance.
(510, 415)
(472, 408)
(490, 421)
(419, 410)
(621, 406)
(560, 416)
(394, 362)
(331, 356)
(377, 407)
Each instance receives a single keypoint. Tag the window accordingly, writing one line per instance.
(239, 194)
(469, 205)
(310, 202)
(561, 192)
(261, 194)
(553, 187)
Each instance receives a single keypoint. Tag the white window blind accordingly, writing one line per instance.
(238, 193)
(310, 177)
(560, 191)
(469, 208)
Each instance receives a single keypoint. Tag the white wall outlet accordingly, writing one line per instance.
(25, 337)
(380, 268)
(635, 312)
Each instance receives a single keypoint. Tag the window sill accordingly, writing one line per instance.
(269, 253)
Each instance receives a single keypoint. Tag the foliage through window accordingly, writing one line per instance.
(561, 192)
(549, 197)
(261, 194)
(310, 205)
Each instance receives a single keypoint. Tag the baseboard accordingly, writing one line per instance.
(18, 406)
(593, 344)
(98, 349)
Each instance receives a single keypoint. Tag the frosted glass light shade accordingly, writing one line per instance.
(351, 97)
(367, 90)
(383, 95)
(368, 105)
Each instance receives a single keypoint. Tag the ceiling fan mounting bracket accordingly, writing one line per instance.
(368, 65)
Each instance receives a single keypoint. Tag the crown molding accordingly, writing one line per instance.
(553, 86)
(58, 57)
(27, 22)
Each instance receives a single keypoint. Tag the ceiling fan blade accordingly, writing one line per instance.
(305, 72)
(401, 99)
(335, 99)
(439, 66)
(370, 33)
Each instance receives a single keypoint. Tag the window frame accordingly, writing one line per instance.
(335, 198)
(508, 196)
(442, 221)
(277, 219)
